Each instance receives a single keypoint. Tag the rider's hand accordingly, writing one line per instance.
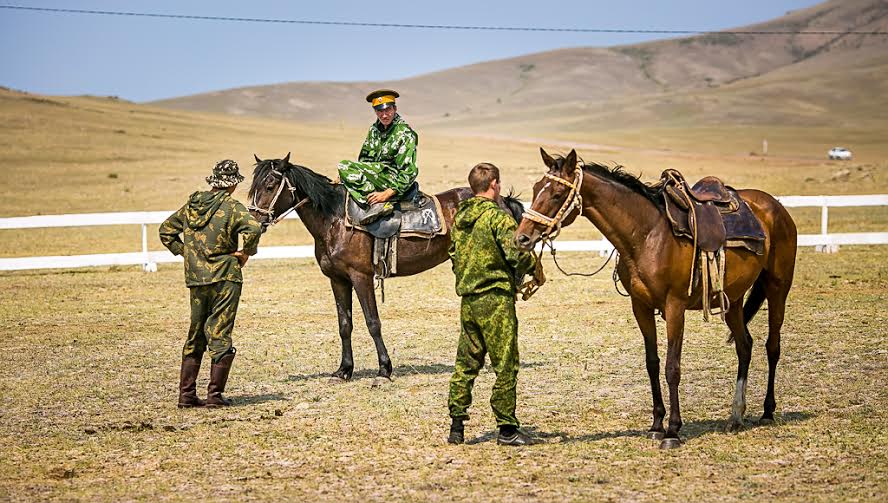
(241, 257)
(380, 197)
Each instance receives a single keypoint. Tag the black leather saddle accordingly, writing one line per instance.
(712, 212)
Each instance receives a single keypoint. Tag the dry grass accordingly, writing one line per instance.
(87, 403)
(92, 358)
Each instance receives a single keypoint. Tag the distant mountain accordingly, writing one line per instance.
(709, 79)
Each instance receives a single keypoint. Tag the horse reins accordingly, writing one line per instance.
(285, 182)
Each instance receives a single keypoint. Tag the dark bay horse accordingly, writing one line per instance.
(344, 254)
(654, 268)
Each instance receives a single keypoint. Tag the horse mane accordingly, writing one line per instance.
(515, 206)
(320, 190)
(653, 192)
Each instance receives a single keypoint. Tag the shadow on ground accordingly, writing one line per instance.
(689, 431)
(402, 370)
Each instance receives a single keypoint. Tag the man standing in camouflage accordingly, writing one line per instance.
(487, 266)
(211, 222)
(386, 167)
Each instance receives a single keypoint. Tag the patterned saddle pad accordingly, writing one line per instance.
(421, 217)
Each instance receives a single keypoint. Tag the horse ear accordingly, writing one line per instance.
(570, 162)
(258, 160)
(547, 159)
(286, 160)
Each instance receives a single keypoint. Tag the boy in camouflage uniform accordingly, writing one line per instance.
(386, 167)
(487, 265)
(211, 222)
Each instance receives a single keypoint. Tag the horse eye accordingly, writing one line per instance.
(269, 188)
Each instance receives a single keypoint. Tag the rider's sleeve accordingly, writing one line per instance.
(364, 155)
(405, 163)
(170, 230)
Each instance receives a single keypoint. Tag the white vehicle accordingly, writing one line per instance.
(842, 154)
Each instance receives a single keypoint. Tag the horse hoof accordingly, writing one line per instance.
(670, 443)
(380, 381)
(766, 421)
(336, 380)
(656, 435)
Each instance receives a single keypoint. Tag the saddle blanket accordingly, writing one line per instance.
(422, 217)
(742, 228)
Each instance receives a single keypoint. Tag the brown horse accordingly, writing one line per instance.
(654, 268)
(344, 254)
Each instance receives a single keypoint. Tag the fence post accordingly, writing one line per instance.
(147, 264)
(826, 247)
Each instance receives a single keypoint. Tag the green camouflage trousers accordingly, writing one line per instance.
(489, 325)
(363, 178)
(213, 309)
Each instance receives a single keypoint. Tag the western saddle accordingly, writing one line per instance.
(714, 217)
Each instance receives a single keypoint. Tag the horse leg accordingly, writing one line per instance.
(342, 292)
(644, 316)
(367, 297)
(675, 321)
(743, 345)
(777, 293)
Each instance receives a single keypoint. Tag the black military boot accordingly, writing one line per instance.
(376, 212)
(188, 381)
(457, 432)
(511, 435)
(218, 377)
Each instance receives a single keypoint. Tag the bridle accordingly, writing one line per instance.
(573, 200)
(285, 183)
(547, 238)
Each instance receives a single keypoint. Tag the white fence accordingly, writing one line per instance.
(149, 259)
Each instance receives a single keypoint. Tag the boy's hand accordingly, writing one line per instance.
(241, 257)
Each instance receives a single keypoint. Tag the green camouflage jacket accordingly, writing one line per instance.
(396, 148)
(210, 222)
(483, 249)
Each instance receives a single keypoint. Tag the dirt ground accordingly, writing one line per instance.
(88, 388)
(87, 410)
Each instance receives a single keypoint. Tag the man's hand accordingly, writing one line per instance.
(241, 257)
(380, 197)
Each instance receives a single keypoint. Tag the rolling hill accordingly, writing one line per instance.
(711, 79)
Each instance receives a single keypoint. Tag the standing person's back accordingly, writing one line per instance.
(487, 266)
(210, 224)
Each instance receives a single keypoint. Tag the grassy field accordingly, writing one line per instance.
(87, 407)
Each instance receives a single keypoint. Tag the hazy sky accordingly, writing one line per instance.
(143, 59)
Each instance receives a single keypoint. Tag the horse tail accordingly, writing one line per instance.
(754, 301)
(516, 207)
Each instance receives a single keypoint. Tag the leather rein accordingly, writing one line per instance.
(269, 212)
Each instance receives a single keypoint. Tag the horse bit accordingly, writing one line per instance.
(285, 183)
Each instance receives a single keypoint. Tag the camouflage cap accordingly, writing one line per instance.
(225, 174)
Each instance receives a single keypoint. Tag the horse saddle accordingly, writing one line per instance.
(416, 215)
(711, 213)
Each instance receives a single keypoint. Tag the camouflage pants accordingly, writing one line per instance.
(363, 178)
(489, 326)
(213, 309)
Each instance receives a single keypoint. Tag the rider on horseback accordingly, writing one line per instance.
(386, 167)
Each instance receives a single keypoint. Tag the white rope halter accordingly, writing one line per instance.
(574, 200)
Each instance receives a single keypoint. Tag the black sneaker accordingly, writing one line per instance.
(515, 437)
(456, 432)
